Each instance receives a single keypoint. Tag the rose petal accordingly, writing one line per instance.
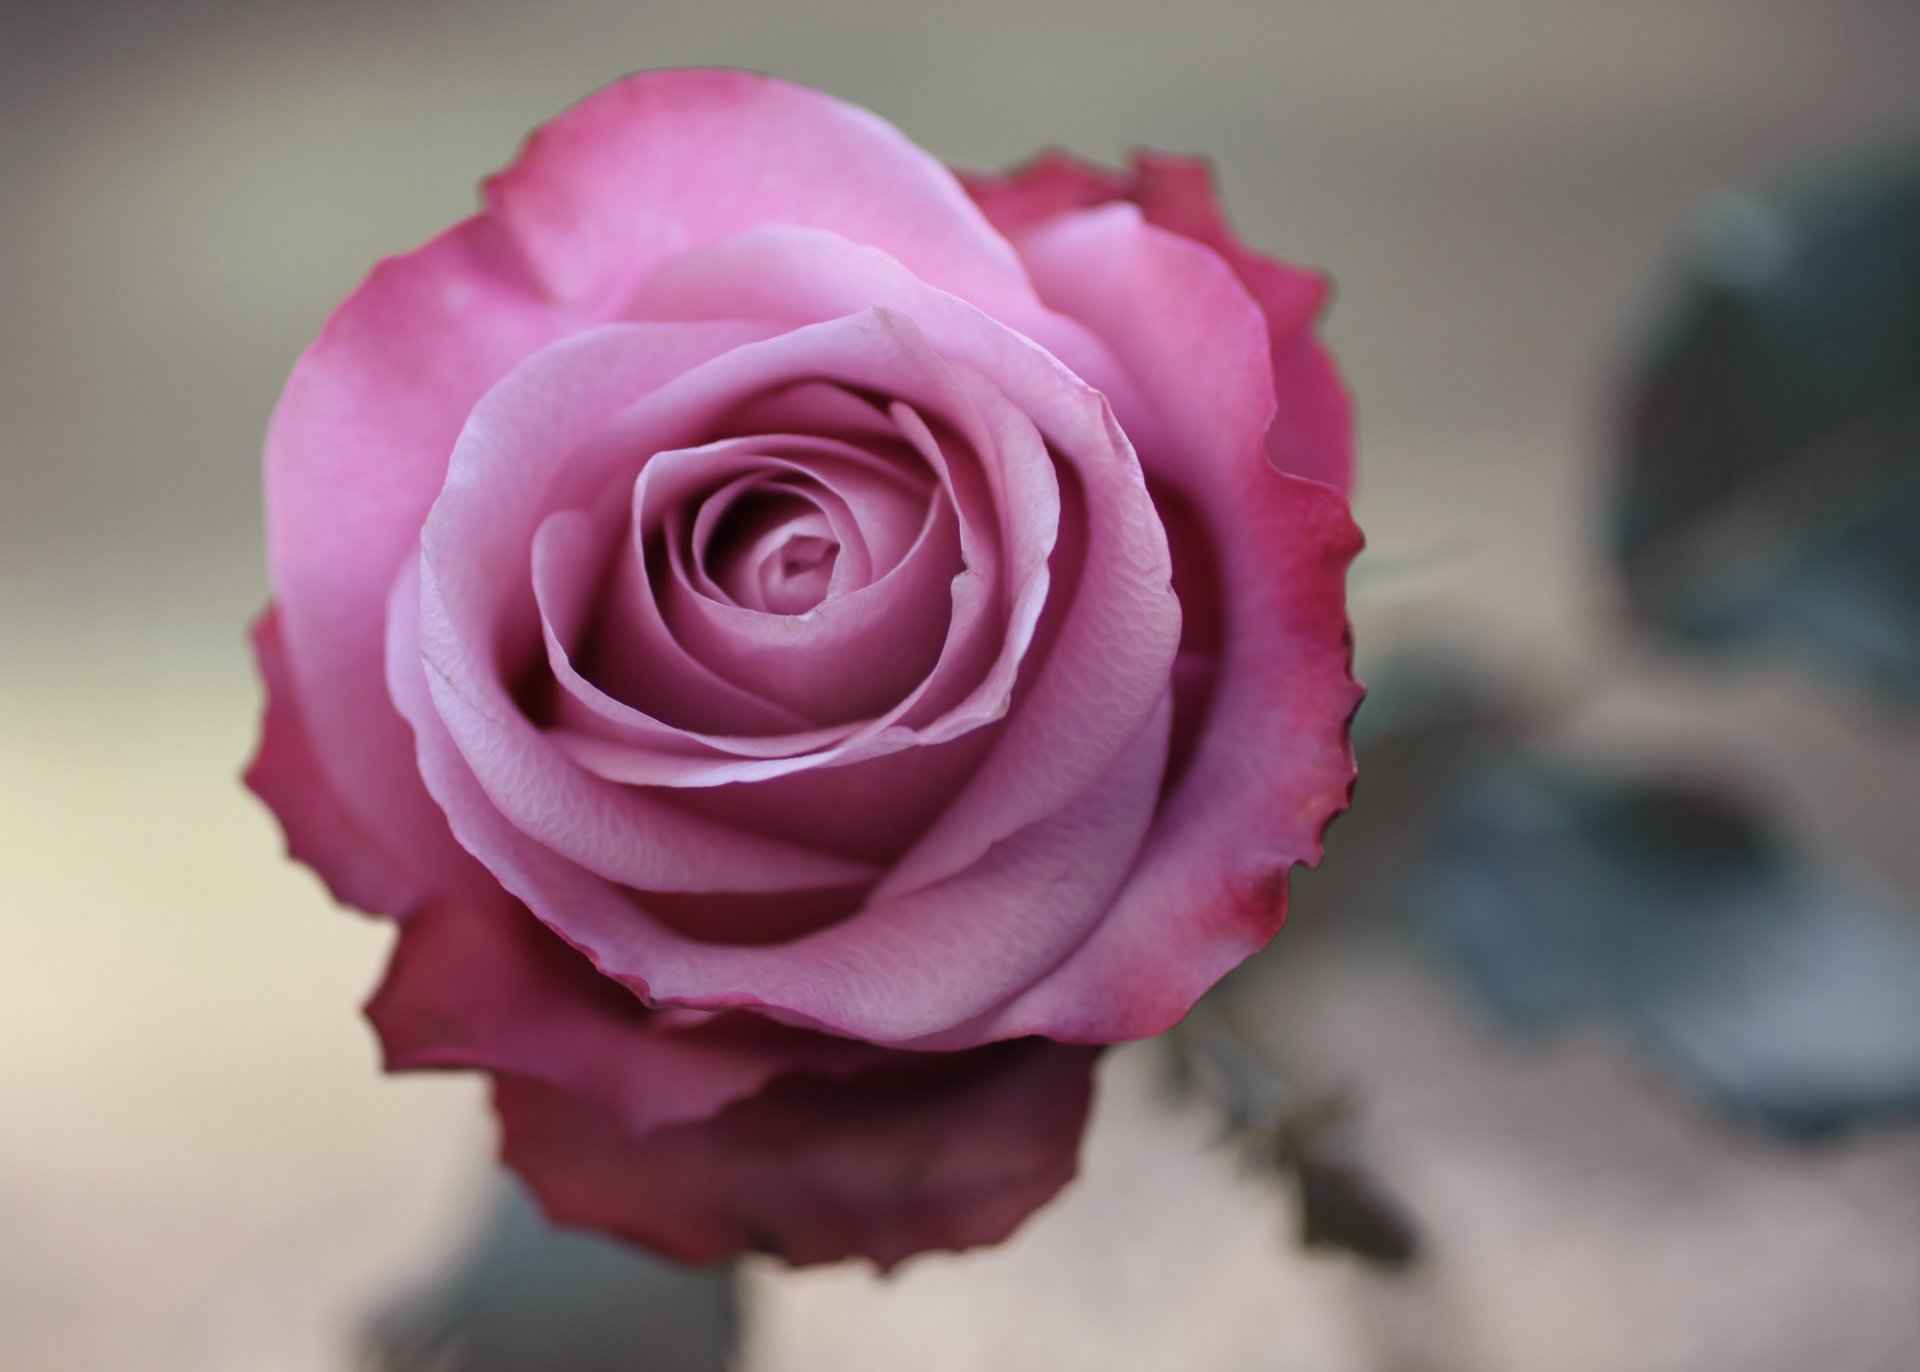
(284, 773)
(1196, 346)
(888, 973)
(1178, 194)
(851, 657)
(947, 1151)
(570, 553)
(1109, 665)
(484, 985)
(526, 439)
(1312, 435)
(617, 833)
(850, 494)
(355, 455)
(1272, 765)
(876, 351)
(665, 160)
(1050, 184)
(847, 659)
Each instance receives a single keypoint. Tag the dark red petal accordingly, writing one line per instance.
(938, 1151)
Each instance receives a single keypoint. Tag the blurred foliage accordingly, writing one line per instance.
(526, 1295)
(1341, 1205)
(1307, 1144)
(1661, 906)
(1671, 911)
(1768, 497)
(1769, 491)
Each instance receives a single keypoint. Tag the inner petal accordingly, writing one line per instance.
(772, 551)
(794, 578)
(693, 552)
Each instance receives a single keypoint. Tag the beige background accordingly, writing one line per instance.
(200, 1170)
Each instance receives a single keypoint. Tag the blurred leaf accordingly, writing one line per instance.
(1282, 1137)
(529, 1296)
(1770, 483)
(1792, 1000)
(1342, 1207)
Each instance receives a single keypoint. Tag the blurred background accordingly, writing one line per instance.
(200, 1169)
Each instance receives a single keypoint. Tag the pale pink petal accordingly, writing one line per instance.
(910, 969)
(915, 966)
(617, 833)
(1109, 663)
(870, 807)
(638, 659)
(849, 658)
(971, 687)
(1104, 647)
(582, 719)
(525, 449)
(847, 496)
(819, 409)
(943, 1151)
(998, 595)
(666, 160)
(570, 555)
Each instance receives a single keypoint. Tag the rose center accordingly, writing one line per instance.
(774, 554)
(795, 579)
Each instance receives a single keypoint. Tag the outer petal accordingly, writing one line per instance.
(320, 831)
(663, 161)
(943, 1151)
(1271, 765)
(1272, 769)
(484, 985)
(355, 455)
(1177, 194)
(1052, 184)
(1312, 434)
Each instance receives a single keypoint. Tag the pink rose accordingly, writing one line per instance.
(751, 604)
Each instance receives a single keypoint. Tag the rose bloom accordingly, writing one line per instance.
(806, 647)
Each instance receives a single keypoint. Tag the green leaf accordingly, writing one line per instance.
(1769, 484)
(527, 1295)
(1791, 999)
